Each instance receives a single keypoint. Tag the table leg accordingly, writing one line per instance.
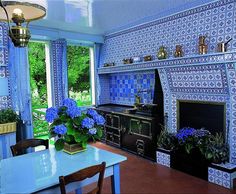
(78, 191)
(115, 179)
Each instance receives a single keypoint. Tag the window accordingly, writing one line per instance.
(80, 74)
(39, 83)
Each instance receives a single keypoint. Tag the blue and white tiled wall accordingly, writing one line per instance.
(212, 82)
(121, 88)
(216, 20)
(124, 87)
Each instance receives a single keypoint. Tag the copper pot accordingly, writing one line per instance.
(222, 46)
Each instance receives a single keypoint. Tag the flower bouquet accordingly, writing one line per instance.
(72, 126)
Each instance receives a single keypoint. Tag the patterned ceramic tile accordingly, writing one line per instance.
(220, 177)
(124, 87)
(226, 184)
(5, 102)
(163, 158)
(104, 92)
(3, 72)
(232, 131)
(209, 79)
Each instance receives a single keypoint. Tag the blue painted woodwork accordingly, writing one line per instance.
(6, 140)
(115, 179)
(4, 89)
(48, 33)
(39, 170)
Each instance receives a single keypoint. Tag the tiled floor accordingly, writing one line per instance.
(142, 176)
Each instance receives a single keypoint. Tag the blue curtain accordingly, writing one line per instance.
(59, 65)
(20, 89)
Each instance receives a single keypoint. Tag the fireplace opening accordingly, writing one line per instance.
(208, 115)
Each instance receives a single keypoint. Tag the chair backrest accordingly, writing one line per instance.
(83, 174)
(20, 147)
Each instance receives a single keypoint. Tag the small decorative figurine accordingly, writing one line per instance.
(202, 45)
(222, 46)
(162, 54)
(178, 51)
(147, 58)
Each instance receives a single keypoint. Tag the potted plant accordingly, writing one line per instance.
(8, 119)
(189, 156)
(73, 128)
(217, 150)
(166, 140)
(166, 143)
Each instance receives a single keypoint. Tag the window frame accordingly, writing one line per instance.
(92, 70)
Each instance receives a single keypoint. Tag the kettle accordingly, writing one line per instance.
(222, 46)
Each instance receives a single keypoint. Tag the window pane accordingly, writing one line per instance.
(38, 84)
(78, 60)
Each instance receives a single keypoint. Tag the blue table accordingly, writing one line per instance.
(39, 171)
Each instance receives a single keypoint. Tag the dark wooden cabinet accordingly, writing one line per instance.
(139, 136)
(112, 129)
(136, 134)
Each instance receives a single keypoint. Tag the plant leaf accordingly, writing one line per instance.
(59, 144)
(69, 138)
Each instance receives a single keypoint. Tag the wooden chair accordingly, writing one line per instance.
(83, 174)
(20, 147)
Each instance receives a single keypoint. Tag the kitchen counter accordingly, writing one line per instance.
(120, 109)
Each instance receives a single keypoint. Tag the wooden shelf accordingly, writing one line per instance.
(212, 58)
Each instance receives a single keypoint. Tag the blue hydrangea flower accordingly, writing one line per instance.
(51, 114)
(74, 112)
(87, 123)
(184, 133)
(99, 119)
(69, 103)
(60, 129)
(92, 112)
(92, 131)
(72, 109)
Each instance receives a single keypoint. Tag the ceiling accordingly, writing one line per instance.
(99, 17)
